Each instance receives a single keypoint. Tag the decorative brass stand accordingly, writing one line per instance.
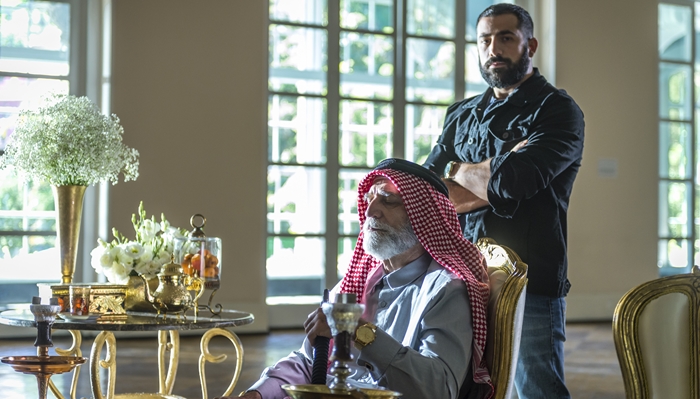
(342, 316)
(167, 371)
(43, 366)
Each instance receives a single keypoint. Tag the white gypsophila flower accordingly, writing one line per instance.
(68, 141)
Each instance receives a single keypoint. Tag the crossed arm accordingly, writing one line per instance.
(468, 185)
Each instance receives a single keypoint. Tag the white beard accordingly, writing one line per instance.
(386, 244)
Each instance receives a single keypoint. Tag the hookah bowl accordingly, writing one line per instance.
(43, 366)
(343, 316)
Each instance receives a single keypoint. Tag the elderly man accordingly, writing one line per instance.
(425, 290)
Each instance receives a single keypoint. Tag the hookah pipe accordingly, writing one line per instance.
(321, 344)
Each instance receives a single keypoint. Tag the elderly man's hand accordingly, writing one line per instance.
(248, 395)
(317, 325)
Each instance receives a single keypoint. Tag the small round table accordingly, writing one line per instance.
(167, 326)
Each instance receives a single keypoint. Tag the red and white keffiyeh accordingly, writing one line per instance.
(434, 221)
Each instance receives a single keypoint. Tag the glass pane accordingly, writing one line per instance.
(25, 206)
(297, 59)
(35, 37)
(674, 32)
(423, 126)
(674, 150)
(475, 84)
(431, 18)
(430, 70)
(673, 209)
(346, 246)
(296, 200)
(295, 266)
(365, 133)
(348, 220)
(29, 258)
(16, 92)
(697, 151)
(696, 226)
(296, 129)
(376, 15)
(674, 91)
(304, 11)
(673, 253)
(474, 8)
(366, 65)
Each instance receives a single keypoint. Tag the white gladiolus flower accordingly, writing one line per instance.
(134, 250)
(146, 255)
(148, 230)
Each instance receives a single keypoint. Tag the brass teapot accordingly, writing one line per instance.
(173, 292)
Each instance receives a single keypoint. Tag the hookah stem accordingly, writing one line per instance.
(320, 366)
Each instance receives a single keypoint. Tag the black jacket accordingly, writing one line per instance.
(529, 190)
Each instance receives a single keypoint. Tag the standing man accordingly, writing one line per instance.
(510, 157)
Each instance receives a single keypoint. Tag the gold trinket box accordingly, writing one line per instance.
(105, 298)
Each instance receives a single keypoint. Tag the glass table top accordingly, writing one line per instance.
(134, 321)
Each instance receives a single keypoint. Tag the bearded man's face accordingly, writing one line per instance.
(504, 51)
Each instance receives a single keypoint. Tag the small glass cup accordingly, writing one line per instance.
(79, 299)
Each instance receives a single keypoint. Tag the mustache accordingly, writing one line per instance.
(497, 58)
(375, 224)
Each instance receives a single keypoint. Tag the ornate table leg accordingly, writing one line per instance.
(206, 356)
(109, 363)
(74, 350)
(167, 381)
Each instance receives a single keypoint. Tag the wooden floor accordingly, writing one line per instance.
(592, 370)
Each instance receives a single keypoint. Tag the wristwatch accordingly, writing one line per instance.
(365, 335)
(450, 169)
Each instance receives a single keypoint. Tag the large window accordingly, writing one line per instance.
(679, 215)
(351, 82)
(43, 48)
(34, 59)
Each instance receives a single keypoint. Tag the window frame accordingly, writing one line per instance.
(690, 202)
(89, 59)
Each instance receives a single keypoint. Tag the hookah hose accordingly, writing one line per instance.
(321, 344)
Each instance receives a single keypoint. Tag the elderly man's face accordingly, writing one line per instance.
(387, 229)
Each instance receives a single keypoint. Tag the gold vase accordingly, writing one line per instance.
(68, 201)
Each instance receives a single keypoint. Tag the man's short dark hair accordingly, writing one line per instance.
(525, 23)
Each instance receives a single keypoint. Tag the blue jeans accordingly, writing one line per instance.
(540, 370)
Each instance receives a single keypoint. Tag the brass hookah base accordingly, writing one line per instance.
(342, 317)
(338, 388)
(43, 366)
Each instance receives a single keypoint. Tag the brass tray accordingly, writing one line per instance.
(310, 391)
